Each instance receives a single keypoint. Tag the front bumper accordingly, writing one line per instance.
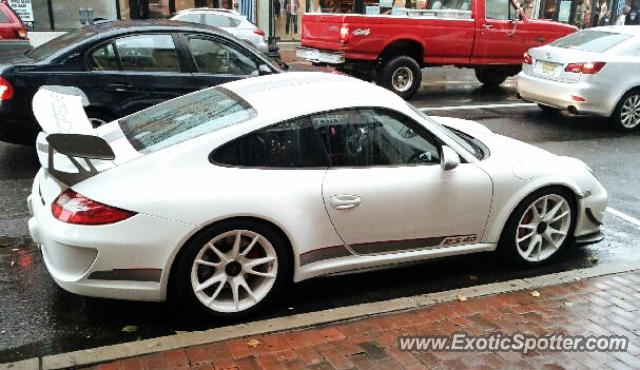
(128, 260)
(592, 205)
(599, 100)
(320, 56)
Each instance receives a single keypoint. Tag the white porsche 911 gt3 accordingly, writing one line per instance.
(224, 196)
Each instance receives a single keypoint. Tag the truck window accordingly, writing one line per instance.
(500, 10)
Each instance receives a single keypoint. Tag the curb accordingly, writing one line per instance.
(118, 351)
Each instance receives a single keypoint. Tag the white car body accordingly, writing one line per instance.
(228, 20)
(546, 81)
(177, 191)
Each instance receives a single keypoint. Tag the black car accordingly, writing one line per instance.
(123, 67)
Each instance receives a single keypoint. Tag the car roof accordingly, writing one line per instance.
(220, 11)
(281, 96)
(628, 30)
(118, 27)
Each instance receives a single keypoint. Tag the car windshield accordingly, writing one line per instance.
(590, 40)
(184, 118)
(471, 144)
(46, 50)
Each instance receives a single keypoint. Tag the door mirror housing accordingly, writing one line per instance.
(449, 159)
(264, 69)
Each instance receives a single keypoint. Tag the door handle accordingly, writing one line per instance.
(119, 86)
(487, 26)
(342, 202)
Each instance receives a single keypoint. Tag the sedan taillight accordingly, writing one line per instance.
(588, 68)
(74, 208)
(259, 31)
(527, 58)
(6, 89)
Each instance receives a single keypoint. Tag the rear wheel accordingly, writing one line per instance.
(233, 268)
(491, 77)
(539, 227)
(402, 75)
(627, 114)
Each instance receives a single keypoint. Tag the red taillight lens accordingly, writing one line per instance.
(6, 90)
(344, 34)
(22, 33)
(588, 68)
(75, 208)
(259, 31)
(527, 58)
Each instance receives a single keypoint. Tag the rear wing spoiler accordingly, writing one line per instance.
(68, 133)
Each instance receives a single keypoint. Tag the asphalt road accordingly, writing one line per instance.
(37, 317)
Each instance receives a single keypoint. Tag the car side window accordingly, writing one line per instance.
(3, 17)
(374, 137)
(148, 53)
(104, 58)
(499, 10)
(193, 18)
(217, 20)
(291, 144)
(212, 56)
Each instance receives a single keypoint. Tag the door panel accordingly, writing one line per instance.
(410, 207)
(500, 37)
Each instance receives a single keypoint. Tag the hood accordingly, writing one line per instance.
(551, 26)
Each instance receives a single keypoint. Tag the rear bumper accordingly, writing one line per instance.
(320, 56)
(599, 100)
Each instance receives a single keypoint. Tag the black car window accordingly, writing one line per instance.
(148, 53)
(104, 58)
(292, 144)
(47, 49)
(217, 20)
(374, 137)
(212, 56)
(192, 17)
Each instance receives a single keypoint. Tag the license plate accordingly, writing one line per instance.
(549, 68)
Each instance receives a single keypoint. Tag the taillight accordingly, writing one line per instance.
(527, 58)
(6, 90)
(74, 208)
(344, 34)
(22, 32)
(588, 68)
(259, 31)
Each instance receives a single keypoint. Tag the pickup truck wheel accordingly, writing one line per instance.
(402, 75)
(491, 77)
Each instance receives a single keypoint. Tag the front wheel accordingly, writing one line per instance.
(539, 227)
(402, 75)
(491, 77)
(627, 114)
(233, 269)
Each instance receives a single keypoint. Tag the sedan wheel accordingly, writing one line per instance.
(540, 226)
(232, 270)
(630, 112)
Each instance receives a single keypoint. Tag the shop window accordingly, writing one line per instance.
(148, 53)
(215, 57)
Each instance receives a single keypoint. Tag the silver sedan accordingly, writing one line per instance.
(594, 71)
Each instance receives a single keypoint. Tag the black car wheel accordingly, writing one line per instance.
(402, 75)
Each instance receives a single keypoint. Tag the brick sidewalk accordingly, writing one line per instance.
(599, 306)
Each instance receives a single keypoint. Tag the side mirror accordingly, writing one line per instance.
(264, 69)
(449, 159)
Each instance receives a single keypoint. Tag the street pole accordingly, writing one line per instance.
(272, 41)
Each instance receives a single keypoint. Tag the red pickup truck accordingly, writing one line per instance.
(490, 36)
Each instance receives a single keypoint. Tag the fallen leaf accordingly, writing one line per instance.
(592, 260)
(130, 329)
(535, 293)
(473, 277)
(461, 298)
(253, 343)
(13, 263)
(568, 304)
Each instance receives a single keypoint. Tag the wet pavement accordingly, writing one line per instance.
(37, 317)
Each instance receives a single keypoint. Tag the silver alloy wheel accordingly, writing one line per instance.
(543, 228)
(630, 113)
(234, 271)
(402, 79)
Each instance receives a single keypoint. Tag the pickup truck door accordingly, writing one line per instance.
(501, 34)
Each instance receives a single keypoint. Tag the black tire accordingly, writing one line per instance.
(181, 282)
(617, 117)
(491, 77)
(508, 247)
(549, 110)
(401, 69)
(98, 117)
